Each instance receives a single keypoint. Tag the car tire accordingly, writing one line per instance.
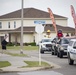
(41, 51)
(70, 61)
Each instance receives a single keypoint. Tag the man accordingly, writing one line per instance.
(4, 43)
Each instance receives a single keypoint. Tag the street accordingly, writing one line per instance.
(63, 62)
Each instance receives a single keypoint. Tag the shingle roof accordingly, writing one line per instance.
(18, 30)
(29, 13)
(64, 29)
(47, 27)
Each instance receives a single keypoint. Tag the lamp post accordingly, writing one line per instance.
(22, 27)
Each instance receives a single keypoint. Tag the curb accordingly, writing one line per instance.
(27, 69)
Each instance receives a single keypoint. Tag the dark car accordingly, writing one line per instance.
(62, 45)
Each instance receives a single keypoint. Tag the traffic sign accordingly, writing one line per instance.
(39, 29)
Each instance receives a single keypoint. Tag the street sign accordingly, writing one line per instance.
(39, 29)
(39, 22)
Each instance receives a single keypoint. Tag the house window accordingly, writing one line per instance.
(14, 24)
(0, 24)
(8, 24)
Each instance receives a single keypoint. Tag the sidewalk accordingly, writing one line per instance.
(17, 63)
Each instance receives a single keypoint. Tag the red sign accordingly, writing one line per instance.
(73, 14)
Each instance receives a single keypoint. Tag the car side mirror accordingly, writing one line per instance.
(74, 47)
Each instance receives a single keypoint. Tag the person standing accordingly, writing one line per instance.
(4, 43)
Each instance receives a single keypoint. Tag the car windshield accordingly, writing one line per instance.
(65, 41)
(46, 40)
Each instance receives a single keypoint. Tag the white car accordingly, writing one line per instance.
(45, 45)
(71, 51)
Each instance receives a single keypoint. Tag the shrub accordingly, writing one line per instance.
(10, 44)
(13, 43)
(32, 44)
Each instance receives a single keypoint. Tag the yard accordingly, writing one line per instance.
(24, 47)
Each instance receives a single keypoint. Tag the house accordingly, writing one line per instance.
(10, 24)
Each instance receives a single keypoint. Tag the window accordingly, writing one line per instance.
(0, 24)
(65, 41)
(70, 43)
(14, 24)
(8, 24)
(75, 44)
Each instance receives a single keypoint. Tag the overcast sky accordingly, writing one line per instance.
(59, 7)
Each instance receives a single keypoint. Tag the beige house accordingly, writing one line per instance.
(10, 24)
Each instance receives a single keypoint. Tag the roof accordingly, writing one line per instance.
(47, 27)
(29, 13)
(25, 29)
(64, 29)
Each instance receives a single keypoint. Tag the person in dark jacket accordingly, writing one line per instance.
(4, 43)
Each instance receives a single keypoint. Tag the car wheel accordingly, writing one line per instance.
(60, 54)
(41, 51)
(70, 61)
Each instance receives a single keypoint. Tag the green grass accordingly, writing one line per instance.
(24, 47)
(15, 54)
(36, 64)
(4, 64)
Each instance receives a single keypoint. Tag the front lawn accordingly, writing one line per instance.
(24, 47)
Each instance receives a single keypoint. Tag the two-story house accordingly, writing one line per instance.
(10, 24)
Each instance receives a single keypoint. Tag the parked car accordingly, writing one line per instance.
(71, 51)
(54, 46)
(62, 46)
(45, 45)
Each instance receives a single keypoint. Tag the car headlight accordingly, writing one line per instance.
(43, 45)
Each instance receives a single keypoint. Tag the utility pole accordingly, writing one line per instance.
(21, 27)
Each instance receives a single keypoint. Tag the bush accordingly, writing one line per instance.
(13, 43)
(10, 44)
(32, 44)
(26, 44)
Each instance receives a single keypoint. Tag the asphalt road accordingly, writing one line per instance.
(65, 69)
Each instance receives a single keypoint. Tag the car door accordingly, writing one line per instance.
(74, 51)
(70, 45)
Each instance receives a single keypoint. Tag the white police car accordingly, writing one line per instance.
(71, 51)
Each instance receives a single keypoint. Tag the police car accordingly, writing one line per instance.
(71, 53)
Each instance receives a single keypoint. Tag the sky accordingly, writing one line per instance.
(59, 7)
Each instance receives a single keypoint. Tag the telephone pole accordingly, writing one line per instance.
(22, 27)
